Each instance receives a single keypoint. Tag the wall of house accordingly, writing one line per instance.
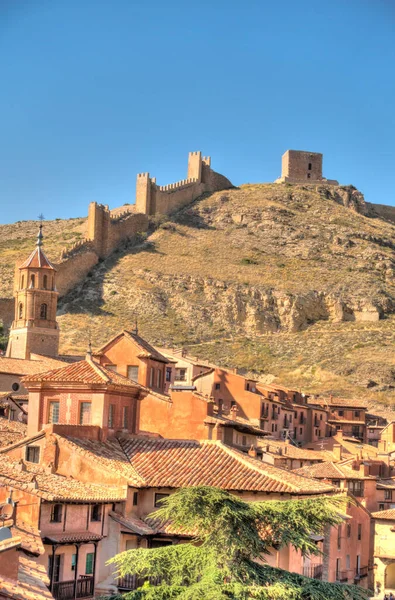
(8, 379)
(9, 563)
(384, 553)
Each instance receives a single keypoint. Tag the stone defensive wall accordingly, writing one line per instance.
(106, 229)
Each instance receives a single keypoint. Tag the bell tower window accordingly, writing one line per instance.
(45, 282)
(20, 311)
(22, 282)
(43, 311)
(32, 281)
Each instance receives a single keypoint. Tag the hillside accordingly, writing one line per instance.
(284, 281)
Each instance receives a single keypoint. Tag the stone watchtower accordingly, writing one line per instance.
(34, 329)
(298, 166)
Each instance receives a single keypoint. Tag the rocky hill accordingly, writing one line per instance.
(287, 281)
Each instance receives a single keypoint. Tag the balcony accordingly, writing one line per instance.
(132, 582)
(343, 576)
(64, 590)
(361, 573)
(313, 571)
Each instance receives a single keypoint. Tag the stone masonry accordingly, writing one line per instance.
(302, 167)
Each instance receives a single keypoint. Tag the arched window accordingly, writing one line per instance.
(20, 311)
(45, 280)
(32, 281)
(43, 311)
(22, 282)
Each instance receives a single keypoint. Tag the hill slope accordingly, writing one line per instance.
(274, 279)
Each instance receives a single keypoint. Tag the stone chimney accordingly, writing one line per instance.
(252, 452)
(337, 451)
(339, 434)
(233, 411)
(364, 469)
(210, 407)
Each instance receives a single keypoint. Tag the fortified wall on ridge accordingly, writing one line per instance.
(106, 229)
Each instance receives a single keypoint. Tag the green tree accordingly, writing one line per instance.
(3, 338)
(229, 536)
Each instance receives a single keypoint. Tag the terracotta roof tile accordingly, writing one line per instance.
(20, 366)
(341, 402)
(330, 470)
(32, 582)
(37, 259)
(85, 371)
(388, 515)
(29, 536)
(147, 350)
(11, 432)
(291, 451)
(71, 538)
(51, 486)
(178, 463)
(386, 484)
(133, 524)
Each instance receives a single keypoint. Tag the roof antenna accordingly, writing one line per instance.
(89, 351)
(40, 230)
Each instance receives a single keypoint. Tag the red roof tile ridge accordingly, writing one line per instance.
(23, 441)
(384, 514)
(99, 369)
(42, 258)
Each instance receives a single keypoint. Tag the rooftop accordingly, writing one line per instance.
(387, 515)
(278, 447)
(31, 585)
(147, 351)
(37, 259)
(21, 366)
(340, 402)
(330, 470)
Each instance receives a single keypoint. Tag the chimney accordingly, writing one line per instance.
(234, 411)
(364, 469)
(20, 466)
(339, 434)
(252, 452)
(337, 451)
(210, 407)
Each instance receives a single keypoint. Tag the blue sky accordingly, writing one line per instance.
(95, 91)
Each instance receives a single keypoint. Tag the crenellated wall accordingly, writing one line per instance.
(153, 199)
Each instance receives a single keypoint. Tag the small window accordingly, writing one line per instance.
(135, 498)
(348, 563)
(308, 175)
(247, 386)
(272, 427)
(15, 387)
(168, 373)
(217, 386)
(32, 281)
(387, 494)
(356, 488)
(151, 378)
(125, 417)
(85, 413)
(158, 498)
(56, 513)
(53, 413)
(310, 166)
(181, 375)
(300, 430)
(133, 372)
(339, 537)
(73, 561)
(20, 311)
(43, 311)
(381, 506)
(111, 368)
(158, 378)
(45, 282)
(244, 440)
(96, 512)
(111, 414)
(341, 413)
(348, 530)
(359, 531)
(89, 563)
(357, 414)
(22, 282)
(33, 454)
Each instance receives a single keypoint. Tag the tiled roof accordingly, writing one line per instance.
(31, 585)
(357, 447)
(85, 371)
(20, 366)
(341, 402)
(347, 421)
(133, 524)
(37, 259)
(104, 455)
(11, 432)
(180, 463)
(72, 538)
(147, 351)
(386, 484)
(388, 515)
(51, 487)
(238, 423)
(330, 470)
(29, 536)
(168, 528)
(291, 451)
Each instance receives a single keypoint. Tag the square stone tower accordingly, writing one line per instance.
(302, 167)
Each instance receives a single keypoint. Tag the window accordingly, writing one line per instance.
(387, 494)
(359, 531)
(125, 417)
(85, 413)
(158, 378)
(96, 512)
(217, 386)
(358, 565)
(133, 372)
(356, 414)
(348, 530)
(300, 430)
(151, 377)
(338, 569)
(244, 440)
(339, 537)
(336, 482)
(308, 175)
(15, 387)
(158, 498)
(23, 282)
(89, 563)
(33, 454)
(32, 281)
(135, 498)
(20, 312)
(56, 571)
(43, 311)
(111, 414)
(381, 506)
(310, 166)
(348, 564)
(45, 282)
(321, 417)
(181, 375)
(73, 561)
(56, 513)
(168, 373)
(272, 427)
(53, 413)
(356, 488)
(341, 413)
(111, 368)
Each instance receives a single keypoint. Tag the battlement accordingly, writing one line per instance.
(299, 166)
(177, 185)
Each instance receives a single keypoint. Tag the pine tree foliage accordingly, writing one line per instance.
(230, 536)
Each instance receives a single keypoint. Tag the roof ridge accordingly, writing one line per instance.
(98, 369)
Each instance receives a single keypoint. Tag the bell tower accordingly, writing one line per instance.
(34, 328)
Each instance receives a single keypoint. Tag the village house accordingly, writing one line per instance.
(384, 549)
(347, 415)
(286, 455)
(182, 369)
